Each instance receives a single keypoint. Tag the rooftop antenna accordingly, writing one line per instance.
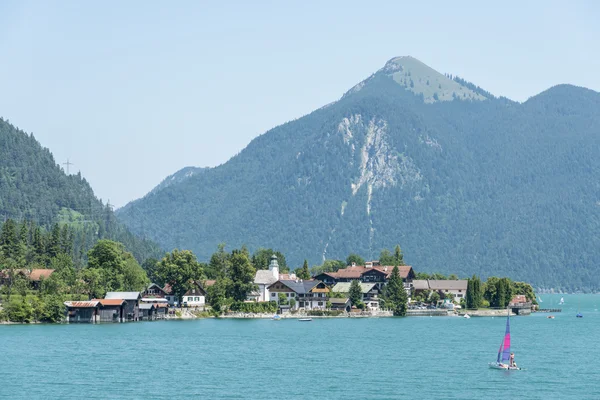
(68, 164)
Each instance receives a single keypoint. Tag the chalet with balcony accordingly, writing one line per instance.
(308, 294)
(370, 293)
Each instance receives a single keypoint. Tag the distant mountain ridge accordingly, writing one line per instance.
(34, 188)
(464, 181)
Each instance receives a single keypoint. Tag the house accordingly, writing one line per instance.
(265, 278)
(370, 293)
(147, 311)
(37, 275)
(132, 303)
(307, 295)
(195, 297)
(455, 287)
(340, 304)
(82, 311)
(111, 310)
(371, 272)
(171, 298)
(154, 291)
(161, 310)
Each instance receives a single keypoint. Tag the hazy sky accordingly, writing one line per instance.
(133, 91)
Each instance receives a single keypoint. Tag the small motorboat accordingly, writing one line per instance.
(550, 316)
(466, 316)
(579, 315)
(304, 319)
(276, 317)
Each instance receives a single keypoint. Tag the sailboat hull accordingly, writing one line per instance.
(505, 367)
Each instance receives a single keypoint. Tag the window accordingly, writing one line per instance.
(459, 295)
(197, 298)
(459, 290)
(320, 303)
(272, 294)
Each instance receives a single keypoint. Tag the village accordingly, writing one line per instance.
(326, 292)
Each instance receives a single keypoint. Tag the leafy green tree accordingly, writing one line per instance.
(180, 270)
(355, 294)
(242, 276)
(283, 300)
(396, 298)
(355, 259)
(93, 283)
(217, 295)
(524, 289)
(386, 257)
(304, 272)
(327, 266)
(434, 297)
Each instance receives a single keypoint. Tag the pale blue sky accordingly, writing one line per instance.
(133, 91)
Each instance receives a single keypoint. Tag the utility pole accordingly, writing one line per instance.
(68, 164)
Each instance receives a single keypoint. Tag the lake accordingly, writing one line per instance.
(350, 358)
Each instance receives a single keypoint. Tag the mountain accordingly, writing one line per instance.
(464, 181)
(34, 188)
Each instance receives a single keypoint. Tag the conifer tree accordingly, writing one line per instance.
(396, 297)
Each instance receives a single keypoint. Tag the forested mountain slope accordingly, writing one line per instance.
(464, 181)
(34, 188)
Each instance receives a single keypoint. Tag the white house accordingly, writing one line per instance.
(195, 297)
(455, 287)
(307, 295)
(370, 293)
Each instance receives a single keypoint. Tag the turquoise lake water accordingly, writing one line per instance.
(384, 358)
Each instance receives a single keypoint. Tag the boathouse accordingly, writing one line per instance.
(132, 299)
(82, 311)
(111, 310)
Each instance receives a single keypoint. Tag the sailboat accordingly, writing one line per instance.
(504, 351)
(579, 314)
(540, 299)
(562, 301)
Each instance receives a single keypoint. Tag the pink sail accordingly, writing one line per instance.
(506, 342)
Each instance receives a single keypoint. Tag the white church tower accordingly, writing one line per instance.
(274, 267)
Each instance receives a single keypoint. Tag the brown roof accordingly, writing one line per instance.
(38, 274)
(111, 302)
(209, 282)
(82, 304)
(355, 272)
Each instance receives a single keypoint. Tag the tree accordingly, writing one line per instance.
(218, 266)
(283, 300)
(328, 266)
(303, 273)
(262, 257)
(355, 259)
(242, 276)
(180, 270)
(386, 257)
(216, 295)
(398, 256)
(434, 297)
(396, 298)
(355, 293)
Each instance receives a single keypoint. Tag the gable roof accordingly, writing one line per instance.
(39, 274)
(147, 306)
(449, 284)
(344, 287)
(123, 295)
(356, 271)
(339, 300)
(420, 284)
(82, 304)
(298, 285)
(110, 302)
(209, 282)
(264, 277)
(196, 290)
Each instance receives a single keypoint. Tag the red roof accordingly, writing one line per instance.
(355, 272)
(209, 282)
(111, 302)
(519, 299)
(82, 304)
